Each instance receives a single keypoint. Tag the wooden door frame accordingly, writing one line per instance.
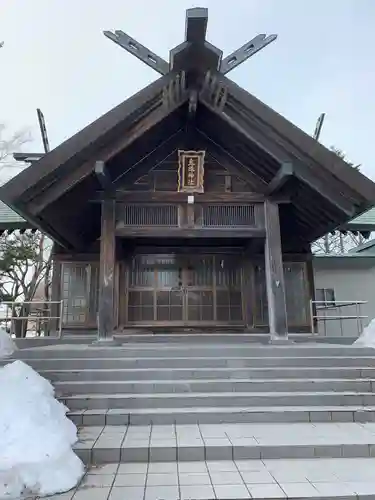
(124, 288)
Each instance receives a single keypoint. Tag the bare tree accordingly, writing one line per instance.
(25, 259)
(337, 242)
(24, 262)
(8, 146)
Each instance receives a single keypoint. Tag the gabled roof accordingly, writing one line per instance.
(194, 99)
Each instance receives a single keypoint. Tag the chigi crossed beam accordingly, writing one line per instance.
(195, 52)
(195, 38)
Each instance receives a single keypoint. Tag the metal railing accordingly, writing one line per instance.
(39, 315)
(332, 311)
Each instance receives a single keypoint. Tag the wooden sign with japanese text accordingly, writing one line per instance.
(191, 171)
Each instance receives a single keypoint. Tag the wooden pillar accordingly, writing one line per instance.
(107, 271)
(311, 288)
(275, 274)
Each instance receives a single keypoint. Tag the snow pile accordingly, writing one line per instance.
(367, 337)
(36, 437)
(7, 346)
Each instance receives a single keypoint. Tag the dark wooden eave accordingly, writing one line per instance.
(280, 130)
(75, 153)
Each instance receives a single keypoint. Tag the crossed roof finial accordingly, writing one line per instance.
(195, 52)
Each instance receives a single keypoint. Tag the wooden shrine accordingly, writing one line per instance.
(190, 205)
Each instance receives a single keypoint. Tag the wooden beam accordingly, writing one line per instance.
(285, 173)
(178, 197)
(138, 50)
(78, 257)
(243, 53)
(230, 163)
(196, 24)
(151, 160)
(55, 190)
(28, 157)
(107, 271)
(102, 175)
(275, 274)
(193, 103)
(176, 232)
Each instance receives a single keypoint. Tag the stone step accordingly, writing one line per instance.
(142, 374)
(305, 479)
(175, 351)
(172, 443)
(53, 363)
(218, 415)
(207, 338)
(214, 386)
(229, 399)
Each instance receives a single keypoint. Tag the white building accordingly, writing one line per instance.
(341, 281)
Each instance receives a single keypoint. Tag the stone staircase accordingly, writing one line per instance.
(220, 402)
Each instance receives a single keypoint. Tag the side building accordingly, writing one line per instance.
(345, 289)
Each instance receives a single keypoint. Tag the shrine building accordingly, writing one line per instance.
(191, 205)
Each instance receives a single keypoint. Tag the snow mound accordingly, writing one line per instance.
(367, 337)
(36, 437)
(7, 346)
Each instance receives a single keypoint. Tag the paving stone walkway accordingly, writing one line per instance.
(209, 480)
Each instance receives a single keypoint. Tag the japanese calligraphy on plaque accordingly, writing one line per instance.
(191, 171)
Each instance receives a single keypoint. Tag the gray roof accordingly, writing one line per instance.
(9, 215)
(367, 248)
(364, 222)
(354, 261)
(9, 219)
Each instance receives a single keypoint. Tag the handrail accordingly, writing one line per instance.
(332, 305)
(30, 317)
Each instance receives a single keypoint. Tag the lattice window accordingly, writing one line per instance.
(157, 215)
(228, 216)
(79, 291)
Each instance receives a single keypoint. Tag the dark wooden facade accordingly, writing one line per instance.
(145, 240)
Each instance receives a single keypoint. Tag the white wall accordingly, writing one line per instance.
(349, 284)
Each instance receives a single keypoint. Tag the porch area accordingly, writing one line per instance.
(185, 287)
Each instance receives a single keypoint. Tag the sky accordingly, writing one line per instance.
(56, 57)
